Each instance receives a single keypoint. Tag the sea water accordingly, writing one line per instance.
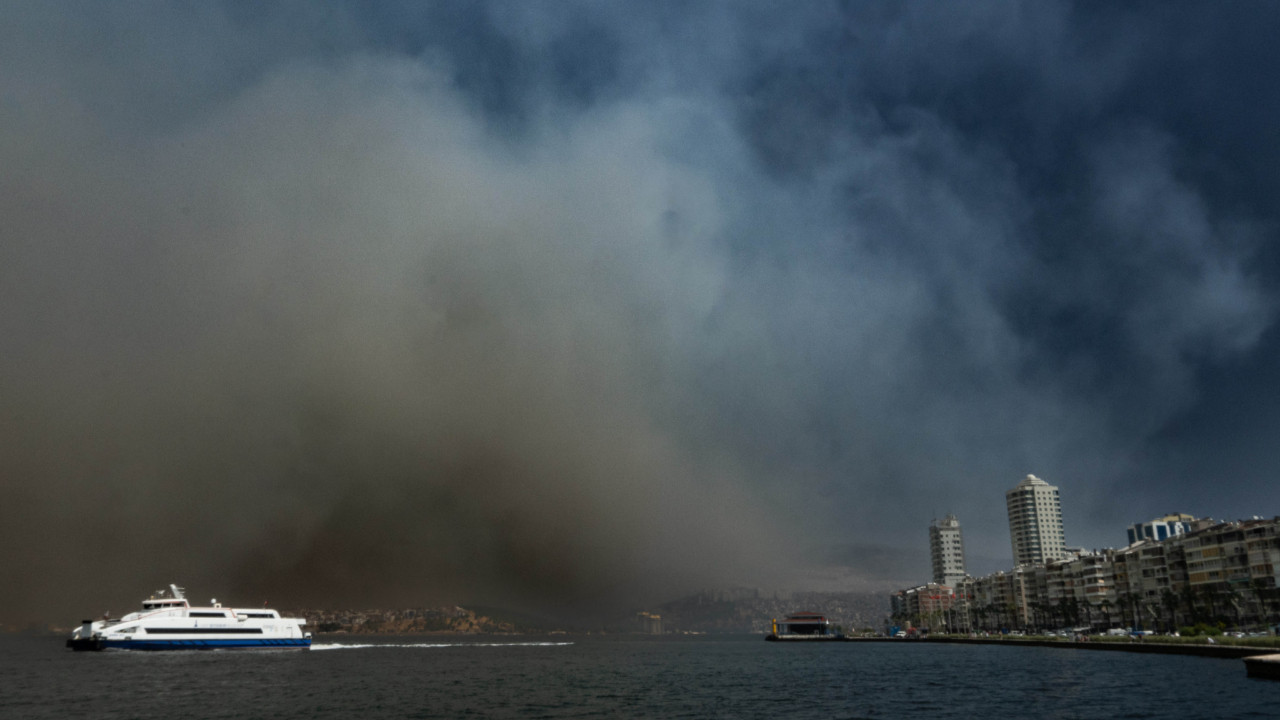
(621, 677)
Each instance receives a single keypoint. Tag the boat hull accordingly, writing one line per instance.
(193, 644)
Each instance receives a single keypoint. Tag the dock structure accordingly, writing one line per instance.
(803, 626)
(1263, 666)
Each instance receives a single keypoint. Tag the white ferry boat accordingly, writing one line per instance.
(168, 622)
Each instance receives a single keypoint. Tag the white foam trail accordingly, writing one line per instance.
(356, 646)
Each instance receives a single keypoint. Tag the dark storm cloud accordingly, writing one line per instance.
(575, 305)
(326, 340)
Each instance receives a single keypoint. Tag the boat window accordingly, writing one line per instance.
(206, 631)
(129, 630)
(206, 614)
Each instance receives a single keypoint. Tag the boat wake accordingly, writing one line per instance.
(361, 646)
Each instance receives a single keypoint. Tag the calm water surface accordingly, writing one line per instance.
(559, 677)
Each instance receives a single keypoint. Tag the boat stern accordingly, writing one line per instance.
(86, 637)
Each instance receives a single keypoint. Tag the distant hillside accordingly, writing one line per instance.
(747, 611)
(724, 611)
(453, 620)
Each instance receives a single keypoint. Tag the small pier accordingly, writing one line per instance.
(1263, 666)
(804, 638)
(804, 627)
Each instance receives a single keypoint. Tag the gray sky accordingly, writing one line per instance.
(570, 306)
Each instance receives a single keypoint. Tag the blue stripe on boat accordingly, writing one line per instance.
(204, 644)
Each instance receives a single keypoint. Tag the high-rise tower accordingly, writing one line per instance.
(947, 549)
(1035, 522)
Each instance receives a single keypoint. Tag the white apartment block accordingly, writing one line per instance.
(947, 549)
(1035, 522)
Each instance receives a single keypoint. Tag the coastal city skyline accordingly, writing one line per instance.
(1176, 571)
(1035, 511)
(574, 307)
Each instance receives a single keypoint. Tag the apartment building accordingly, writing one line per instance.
(1035, 522)
(946, 547)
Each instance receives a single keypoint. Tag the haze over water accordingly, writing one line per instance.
(575, 307)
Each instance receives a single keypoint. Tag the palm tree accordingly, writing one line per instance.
(1073, 611)
(1210, 598)
(1153, 609)
(1135, 606)
(1258, 587)
(1105, 606)
(1127, 603)
(1232, 597)
(1266, 602)
(1170, 601)
(1037, 613)
(1193, 612)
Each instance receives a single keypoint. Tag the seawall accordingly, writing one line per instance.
(1215, 651)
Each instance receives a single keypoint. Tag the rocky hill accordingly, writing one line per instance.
(453, 620)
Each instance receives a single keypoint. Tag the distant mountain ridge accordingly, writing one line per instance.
(740, 610)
